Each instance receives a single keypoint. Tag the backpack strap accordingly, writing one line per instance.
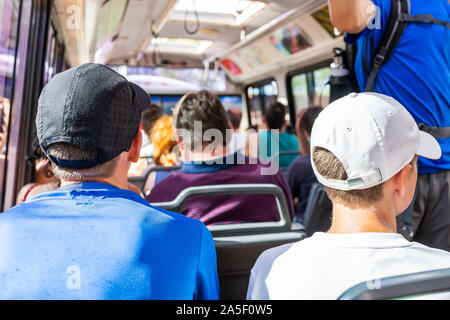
(391, 36)
(423, 18)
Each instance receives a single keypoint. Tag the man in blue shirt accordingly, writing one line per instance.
(92, 238)
(417, 74)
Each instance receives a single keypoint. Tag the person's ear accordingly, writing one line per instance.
(135, 149)
(400, 181)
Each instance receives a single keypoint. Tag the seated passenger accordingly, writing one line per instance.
(273, 137)
(300, 175)
(148, 119)
(364, 151)
(92, 238)
(238, 139)
(199, 119)
(44, 179)
(164, 142)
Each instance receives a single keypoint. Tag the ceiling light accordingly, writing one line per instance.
(229, 12)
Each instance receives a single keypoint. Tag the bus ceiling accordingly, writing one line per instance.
(248, 39)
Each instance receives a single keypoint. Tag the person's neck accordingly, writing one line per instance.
(365, 219)
(205, 155)
(109, 180)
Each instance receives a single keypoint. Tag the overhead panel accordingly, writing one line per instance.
(308, 37)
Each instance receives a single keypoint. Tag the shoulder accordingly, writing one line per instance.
(431, 253)
(301, 160)
(270, 255)
(301, 164)
(166, 189)
(23, 193)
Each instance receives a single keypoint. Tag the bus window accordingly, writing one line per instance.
(300, 92)
(321, 87)
(168, 103)
(259, 97)
(308, 88)
(9, 10)
(49, 65)
(231, 102)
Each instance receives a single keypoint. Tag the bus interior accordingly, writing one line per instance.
(250, 53)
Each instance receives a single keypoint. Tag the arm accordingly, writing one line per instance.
(351, 16)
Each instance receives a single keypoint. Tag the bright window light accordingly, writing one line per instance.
(234, 12)
(190, 46)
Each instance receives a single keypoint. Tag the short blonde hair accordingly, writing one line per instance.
(330, 167)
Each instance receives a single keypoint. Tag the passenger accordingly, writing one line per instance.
(164, 142)
(199, 119)
(44, 179)
(92, 238)
(417, 74)
(300, 175)
(148, 119)
(274, 119)
(364, 151)
(238, 139)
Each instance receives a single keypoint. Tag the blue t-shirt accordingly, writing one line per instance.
(95, 241)
(417, 74)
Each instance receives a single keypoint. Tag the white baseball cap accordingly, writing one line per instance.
(373, 136)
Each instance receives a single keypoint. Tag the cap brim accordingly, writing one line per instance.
(143, 98)
(428, 147)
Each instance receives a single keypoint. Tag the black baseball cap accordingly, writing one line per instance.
(93, 108)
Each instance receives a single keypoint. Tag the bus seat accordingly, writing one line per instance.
(318, 210)
(433, 284)
(239, 245)
(140, 180)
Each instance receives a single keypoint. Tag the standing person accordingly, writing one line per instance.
(417, 74)
(92, 238)
(300, 175)
(364, 151)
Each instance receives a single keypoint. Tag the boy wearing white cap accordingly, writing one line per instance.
(364, 150)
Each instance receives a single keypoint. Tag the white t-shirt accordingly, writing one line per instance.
(324, 265)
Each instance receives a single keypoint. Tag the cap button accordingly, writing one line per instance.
(353, 94)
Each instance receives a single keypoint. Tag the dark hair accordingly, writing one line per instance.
(309, 117)
(275, 115)
(234, 115)
(203, 106)
(149, 117)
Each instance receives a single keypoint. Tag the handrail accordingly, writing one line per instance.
(401, 286)
(284, 224)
